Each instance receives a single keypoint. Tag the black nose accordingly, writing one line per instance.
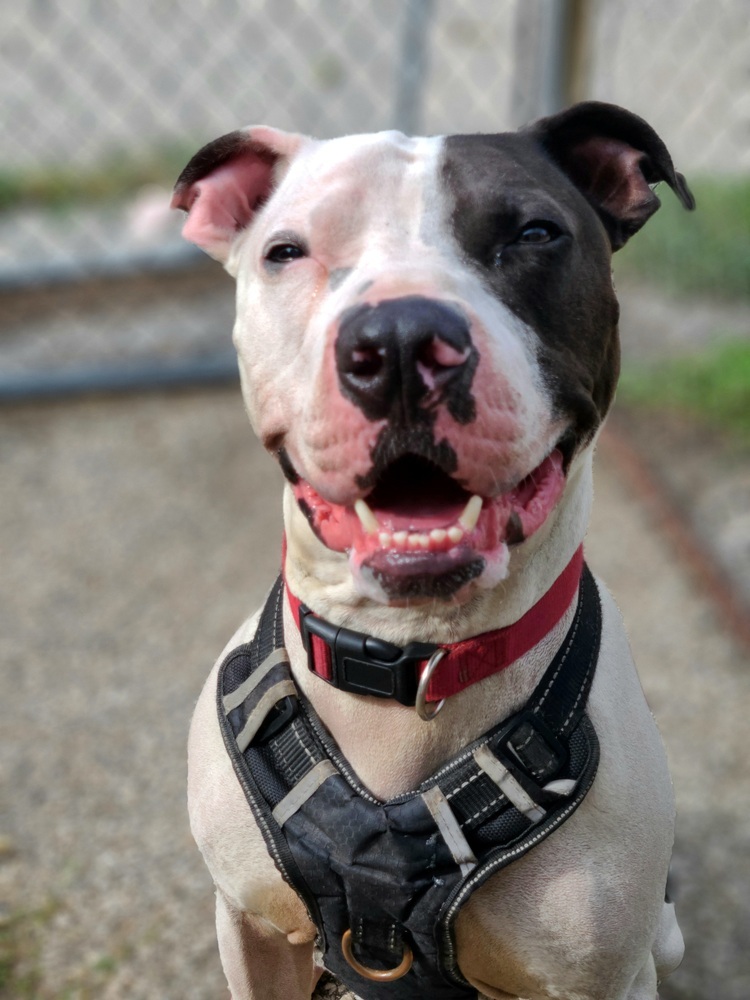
(406, 356)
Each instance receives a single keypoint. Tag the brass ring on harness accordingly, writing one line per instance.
(376, 975)
(420, 703)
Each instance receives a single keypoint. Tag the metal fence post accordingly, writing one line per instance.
(412, 67)
(562, 53)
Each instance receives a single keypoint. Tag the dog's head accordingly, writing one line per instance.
(427, 328)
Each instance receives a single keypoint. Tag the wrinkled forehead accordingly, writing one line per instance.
(384, 181)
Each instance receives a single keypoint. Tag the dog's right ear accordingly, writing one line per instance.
(227, 181)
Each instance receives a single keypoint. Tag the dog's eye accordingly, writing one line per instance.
(283, 253)
(538, 232)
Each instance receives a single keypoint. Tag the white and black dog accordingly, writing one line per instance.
(427, 338)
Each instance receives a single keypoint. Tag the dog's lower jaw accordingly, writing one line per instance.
(321, 578)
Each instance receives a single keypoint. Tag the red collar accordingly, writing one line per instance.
(388, 674)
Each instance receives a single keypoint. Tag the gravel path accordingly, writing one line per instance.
(136, 534)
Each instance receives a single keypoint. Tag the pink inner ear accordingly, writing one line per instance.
(224, 201)
(610, 172)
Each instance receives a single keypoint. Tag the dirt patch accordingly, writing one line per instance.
(705, 476)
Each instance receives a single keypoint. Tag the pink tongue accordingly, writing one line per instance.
(429, 515)
(417, 495)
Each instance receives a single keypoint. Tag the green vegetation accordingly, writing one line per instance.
(19, 951)
(705, 252)
(713, 386)
(21, 935)
(65, 186)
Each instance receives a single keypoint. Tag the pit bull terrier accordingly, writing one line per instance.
(436, 763)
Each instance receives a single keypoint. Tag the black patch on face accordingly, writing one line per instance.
(338, 276)
(503, 190)
(395, 442)
(290, 473)
(391, 360)
(306, 509)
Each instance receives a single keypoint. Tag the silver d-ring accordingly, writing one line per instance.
(420, 704)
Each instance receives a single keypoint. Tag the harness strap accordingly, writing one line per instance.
(302, 791)
(450, 829)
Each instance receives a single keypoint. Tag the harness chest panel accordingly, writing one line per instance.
(395, 874)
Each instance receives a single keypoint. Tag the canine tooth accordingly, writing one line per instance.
(400, 537)
(385, 539)
(470, 516)
(438, 534)
(367, 519)
(455, 533)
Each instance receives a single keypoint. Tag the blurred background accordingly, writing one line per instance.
(139, 521)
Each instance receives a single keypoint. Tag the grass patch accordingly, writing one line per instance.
(702, 252)
(19, 952)
(713, 386)
(21, 936)
(64, 186)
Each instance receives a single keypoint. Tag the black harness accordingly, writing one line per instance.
(395, 874)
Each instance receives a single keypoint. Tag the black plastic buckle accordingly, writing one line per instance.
(280, 715)
(363, 664)
(541, 732)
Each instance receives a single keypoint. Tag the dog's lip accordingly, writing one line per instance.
(465, 521)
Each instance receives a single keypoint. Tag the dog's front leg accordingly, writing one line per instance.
(261, 962)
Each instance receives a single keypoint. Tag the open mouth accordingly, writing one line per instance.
(420, 534)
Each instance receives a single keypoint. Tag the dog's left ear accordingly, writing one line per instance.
(612, 156)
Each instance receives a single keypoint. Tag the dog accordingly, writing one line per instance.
(427, 341)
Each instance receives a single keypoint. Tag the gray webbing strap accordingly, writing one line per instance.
(256, 718)
(449, 828)
(302, 791)
(235, 698)
(507, 784)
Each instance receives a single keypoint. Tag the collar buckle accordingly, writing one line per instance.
(362, 664)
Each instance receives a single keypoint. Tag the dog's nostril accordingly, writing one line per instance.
(437, 353)
(365, 362)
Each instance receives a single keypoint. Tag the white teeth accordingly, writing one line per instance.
(470, 516)
(419, 540)
(367, 518)
(464, 525)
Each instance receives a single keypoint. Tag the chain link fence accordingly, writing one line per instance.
(104, 103)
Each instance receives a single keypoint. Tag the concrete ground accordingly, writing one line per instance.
(136, 533)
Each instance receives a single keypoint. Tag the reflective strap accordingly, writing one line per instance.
(508, 784)
(449, 827)
(303, 790)
(255, 720)
(236, 697)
